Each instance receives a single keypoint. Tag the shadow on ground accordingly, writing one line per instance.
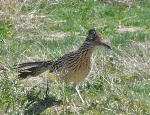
(37, 105)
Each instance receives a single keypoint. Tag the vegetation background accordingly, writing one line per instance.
(32, 30)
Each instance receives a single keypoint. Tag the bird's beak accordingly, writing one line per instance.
(101, 39)
(105, 45)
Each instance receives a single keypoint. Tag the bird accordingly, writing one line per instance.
(71, 67)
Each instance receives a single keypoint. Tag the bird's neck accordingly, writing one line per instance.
(86, 49)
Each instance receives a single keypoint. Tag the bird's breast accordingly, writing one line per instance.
(79, 68)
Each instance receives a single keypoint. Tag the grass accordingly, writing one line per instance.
(117, 84)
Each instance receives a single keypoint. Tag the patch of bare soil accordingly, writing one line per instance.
(129, 29)
(55, 35)
(46, 35)
(72, 108)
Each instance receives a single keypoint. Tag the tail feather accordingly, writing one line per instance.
(33, 63)
(38, 68)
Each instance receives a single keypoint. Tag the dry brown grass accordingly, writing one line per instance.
(27, 23)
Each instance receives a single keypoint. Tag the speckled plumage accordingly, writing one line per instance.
(72, 67)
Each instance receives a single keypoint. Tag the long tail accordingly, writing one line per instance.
(36, 69)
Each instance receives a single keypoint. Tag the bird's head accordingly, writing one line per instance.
(96, 38)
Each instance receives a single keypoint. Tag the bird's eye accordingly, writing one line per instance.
(92, 32)
(92, 38)
(92, 35)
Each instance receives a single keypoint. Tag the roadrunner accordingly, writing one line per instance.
(71, 67)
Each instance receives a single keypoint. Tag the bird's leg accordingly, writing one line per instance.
(47, 89)
(78, 92)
